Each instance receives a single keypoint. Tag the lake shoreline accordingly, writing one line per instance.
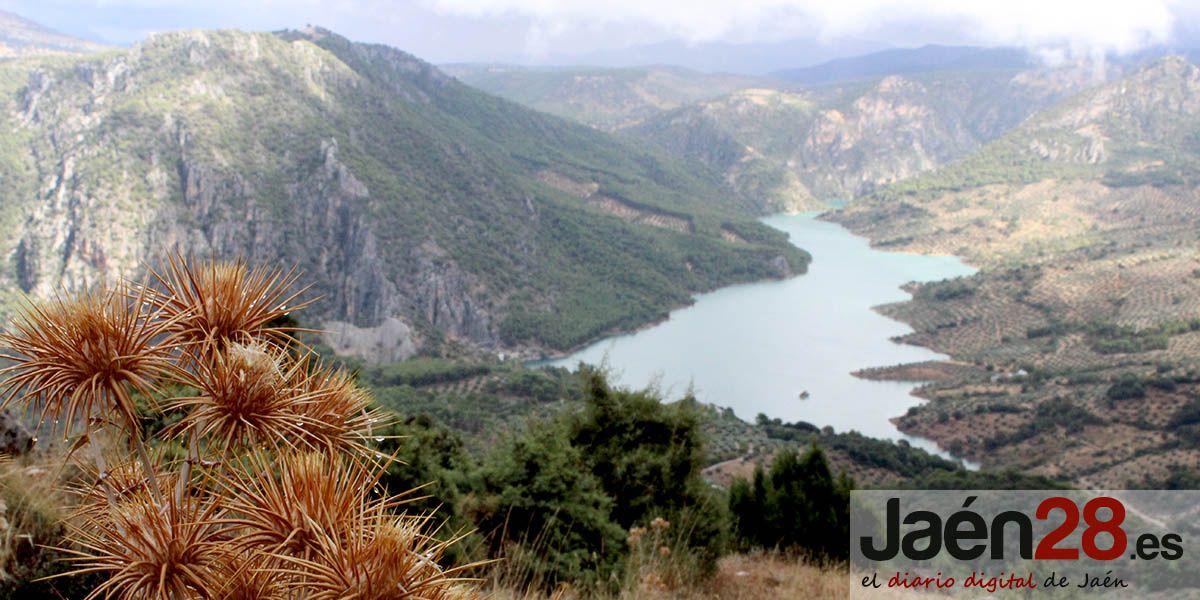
(788, 348)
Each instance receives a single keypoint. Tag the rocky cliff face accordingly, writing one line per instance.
(1136, 122)
(409, 200)
(787, 148)
(892, 132)
(80, 229)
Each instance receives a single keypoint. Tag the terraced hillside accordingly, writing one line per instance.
(413, 201)
(1084, 321)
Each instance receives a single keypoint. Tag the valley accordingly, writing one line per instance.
(1082, 322)
(1074, 348)
(637, 332)
(440, 222)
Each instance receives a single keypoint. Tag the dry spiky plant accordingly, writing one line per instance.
(298, 515)
(245, 398)
(383, 557)
(307, 498)
(216, 301)
(82, 358)
(338, 413)
(149, 548)
(250, 575)
(95, 492)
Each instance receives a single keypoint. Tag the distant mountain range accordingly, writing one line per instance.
(909, 61)
(811, 136)
(756, 59)
(22, 37)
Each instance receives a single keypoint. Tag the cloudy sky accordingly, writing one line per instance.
(786, 32)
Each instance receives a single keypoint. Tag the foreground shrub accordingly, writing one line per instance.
(798, 506)
(564, 498)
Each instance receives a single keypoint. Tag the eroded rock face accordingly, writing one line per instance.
(391, 341)
(15, 438)
(94, 214)
(389, 186)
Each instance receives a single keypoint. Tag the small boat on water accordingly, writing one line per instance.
(804, 395)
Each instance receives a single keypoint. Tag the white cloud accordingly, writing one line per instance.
(1077, 25)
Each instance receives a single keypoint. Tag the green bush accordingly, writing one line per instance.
(431, 458)
(545, 511)
(1126, 387)
(558, 499)
(799, 505)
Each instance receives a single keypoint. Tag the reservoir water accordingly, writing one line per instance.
(756, 348)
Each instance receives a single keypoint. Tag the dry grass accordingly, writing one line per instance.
(759, 576)
(31, 506)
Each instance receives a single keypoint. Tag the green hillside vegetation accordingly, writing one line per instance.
(566, 475)
(400, 191)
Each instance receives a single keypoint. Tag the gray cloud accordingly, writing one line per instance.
(556, 31)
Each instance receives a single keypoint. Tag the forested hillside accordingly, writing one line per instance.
(411, 200)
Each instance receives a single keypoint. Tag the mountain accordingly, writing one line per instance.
(800, 149)
(1141, 129)
(1079, 333)
(426, 211)
(789, 146)
(908, 61)
(22, 37)
(604, 98)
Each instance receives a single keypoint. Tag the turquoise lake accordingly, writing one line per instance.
(757, 347)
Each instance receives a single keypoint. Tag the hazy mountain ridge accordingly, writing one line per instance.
(842, 142)
(22, 37)
(406, 195)
(604, 98)
(908, 61)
